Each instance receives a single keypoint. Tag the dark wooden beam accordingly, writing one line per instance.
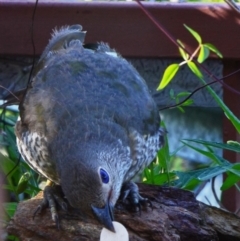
(122, 24)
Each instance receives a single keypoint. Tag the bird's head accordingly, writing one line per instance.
(93, 186)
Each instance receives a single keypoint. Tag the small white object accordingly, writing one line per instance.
(114, 54)
(206, 194)
(121, 233)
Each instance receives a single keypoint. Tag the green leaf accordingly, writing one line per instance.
(180, 43)
(171, 93)
(180, 109)
(234, 120)
(194, 33)
(223, 163)
(146, 175)
(234, 143)
(213, 49)
(203, 54)
(9, 187)
(227, 146)
(211, 172)
(187, 102)
(217, 159)
(7, 165)
(183, 93)
(156, 169)
(164, 152)
(187, 180)
(159, 166)
(163, 178)
(195, 69)
(12, 238)
(32, 190)
(230, 181)
(10, 208)
(23, 183)
(234, 171)
(232, 178)
(169, 73)
(183, 53)
(163, 156)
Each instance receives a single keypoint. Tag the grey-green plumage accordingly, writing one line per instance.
(87, 114)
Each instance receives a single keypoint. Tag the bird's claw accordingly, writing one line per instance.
(131, 198)
(52, 198)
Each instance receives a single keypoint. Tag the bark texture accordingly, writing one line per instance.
(176, 215)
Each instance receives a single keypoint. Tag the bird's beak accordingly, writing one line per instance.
(105, 216)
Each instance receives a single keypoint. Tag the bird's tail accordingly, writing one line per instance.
(61, 38)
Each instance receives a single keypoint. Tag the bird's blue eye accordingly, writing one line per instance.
(104, 176)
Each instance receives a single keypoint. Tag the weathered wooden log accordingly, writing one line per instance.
(176, 215)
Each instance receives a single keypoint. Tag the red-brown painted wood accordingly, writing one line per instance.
(122, 24)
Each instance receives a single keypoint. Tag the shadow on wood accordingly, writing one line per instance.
(176, 215)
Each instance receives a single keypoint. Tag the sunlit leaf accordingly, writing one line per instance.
(213, 49)
(169, 73)
(203, 54)
(183, 53)
(195, 69)
(234, 144)
(180, 43)
(194, 33)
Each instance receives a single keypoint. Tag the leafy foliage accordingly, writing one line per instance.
(157, 173)
(168, 74)
(194, 34)
(221, 164)
(179, 97)
(20, 181)
(203, 50)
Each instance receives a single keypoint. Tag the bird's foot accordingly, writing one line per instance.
(52, 198)
(131, 198)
